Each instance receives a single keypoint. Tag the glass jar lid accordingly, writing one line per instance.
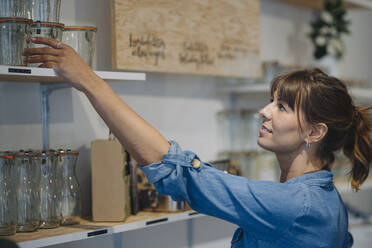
(48, 24)
(22, 153)
(62, 152)
(15, 19)
(69, 151)
(6, 155)
(79, 28)
(49, 153)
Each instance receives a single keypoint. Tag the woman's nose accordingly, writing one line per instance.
(265, 112)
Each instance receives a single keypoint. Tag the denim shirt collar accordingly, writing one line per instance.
(319, 178)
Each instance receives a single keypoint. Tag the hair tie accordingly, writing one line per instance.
(356, 113)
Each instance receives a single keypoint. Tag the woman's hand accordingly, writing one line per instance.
(63, 59)
(142, 141)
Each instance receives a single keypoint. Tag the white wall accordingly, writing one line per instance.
(182, 107)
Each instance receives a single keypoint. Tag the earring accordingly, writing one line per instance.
(308, 145)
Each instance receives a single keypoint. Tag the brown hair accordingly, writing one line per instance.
(325, 99)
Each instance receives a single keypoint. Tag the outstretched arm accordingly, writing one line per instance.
(142, 140)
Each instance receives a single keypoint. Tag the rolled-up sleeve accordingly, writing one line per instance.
(260, 207)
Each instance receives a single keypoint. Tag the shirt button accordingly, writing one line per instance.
(195, 163)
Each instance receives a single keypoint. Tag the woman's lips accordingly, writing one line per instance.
(264, 129)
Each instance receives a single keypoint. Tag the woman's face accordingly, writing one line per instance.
(280, 131)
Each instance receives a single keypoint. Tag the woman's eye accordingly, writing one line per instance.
(281, 107)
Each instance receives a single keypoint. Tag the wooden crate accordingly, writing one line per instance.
(220, 37)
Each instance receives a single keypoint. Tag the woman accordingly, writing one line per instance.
(311, 116)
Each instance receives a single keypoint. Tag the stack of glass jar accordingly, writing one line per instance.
(38, 189)
(238, 129)
(22, 19)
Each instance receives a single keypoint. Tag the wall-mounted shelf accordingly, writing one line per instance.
(87, 229)
(360, 95)
(345, 186)
(318, 4)
(49, 80)
(246, 89)
(361, 3)
(43, 75)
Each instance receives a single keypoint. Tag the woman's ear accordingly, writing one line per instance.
(317, 132)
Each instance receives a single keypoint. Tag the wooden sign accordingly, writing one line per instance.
(219, 37)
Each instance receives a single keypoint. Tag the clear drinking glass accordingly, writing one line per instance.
(13, 40)
(49, 191)
(83, 40)
(27, 179)
(8, 202)
(44, 10)
(70, 189)
(13, 8)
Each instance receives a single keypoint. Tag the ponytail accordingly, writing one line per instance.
(358, 146)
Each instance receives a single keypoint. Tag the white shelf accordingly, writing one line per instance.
(43, 75)
(246, 89)
(318, 4)
(88, 229)
(362, 3)
(361, 95)
(345, 187)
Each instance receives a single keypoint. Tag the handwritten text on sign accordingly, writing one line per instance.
(219, 37)
(147, 47)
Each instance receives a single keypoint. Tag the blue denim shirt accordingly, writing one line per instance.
(305, 211)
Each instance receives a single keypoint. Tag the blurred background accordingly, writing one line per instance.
(214, 116)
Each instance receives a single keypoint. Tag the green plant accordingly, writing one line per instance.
(328, 28)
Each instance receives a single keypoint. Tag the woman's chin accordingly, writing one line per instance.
(262, 144)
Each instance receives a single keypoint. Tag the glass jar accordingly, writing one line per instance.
(229, 122)
(267, 167)
(8, 202)
(13, 40)
(83, 40)
(223, 127)
(27, 179)
(45, 29)
(246, 162)
(249, 129)
(70, 189)
(44, 10)
(49, 191)
(13, 8)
